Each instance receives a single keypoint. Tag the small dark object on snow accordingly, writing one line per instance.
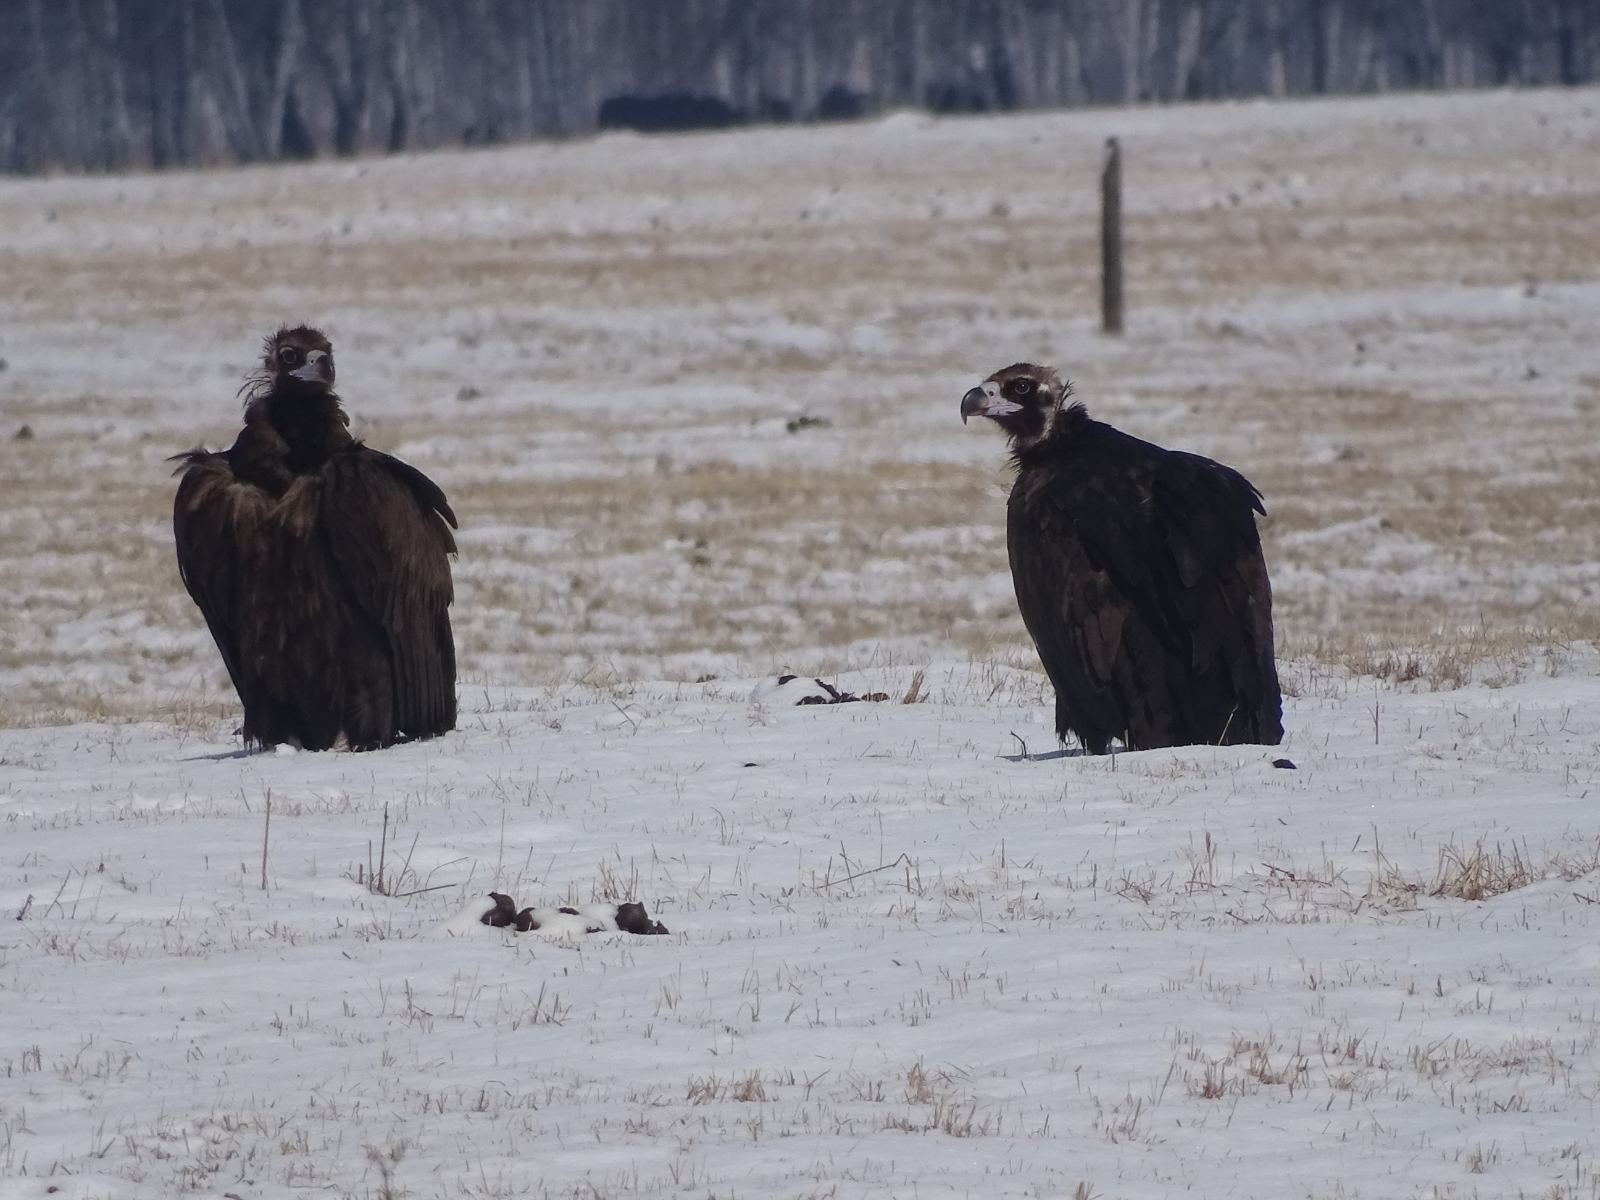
(630, 917)
(1284, 764)
(503, 913)
(835, 696)
(25, 434)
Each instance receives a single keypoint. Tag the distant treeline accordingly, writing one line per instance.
(108, 84)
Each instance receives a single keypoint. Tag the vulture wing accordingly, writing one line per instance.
(386, 527)
(1073, 607)
(213, 517)
(1139, 574)
(1206, 514)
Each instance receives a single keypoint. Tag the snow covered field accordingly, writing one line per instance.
(905, 960)
(901, 963)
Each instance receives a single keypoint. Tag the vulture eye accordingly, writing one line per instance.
(1022, 386)
(289, 355)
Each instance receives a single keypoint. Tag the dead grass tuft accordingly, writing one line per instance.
(944, 1109)
(750, 1089)
(913, 693)
(386, 1159)
(1481, 872)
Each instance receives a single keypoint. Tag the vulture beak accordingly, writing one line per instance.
(318, 368)
(971, 403)
(986, 401)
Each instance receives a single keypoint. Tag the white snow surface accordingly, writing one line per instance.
(905, 959)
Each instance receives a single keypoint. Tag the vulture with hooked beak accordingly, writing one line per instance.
(1139, 574)
(322, 566)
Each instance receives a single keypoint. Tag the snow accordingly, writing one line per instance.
(904, 958)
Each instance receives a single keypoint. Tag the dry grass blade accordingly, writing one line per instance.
(1482, 872)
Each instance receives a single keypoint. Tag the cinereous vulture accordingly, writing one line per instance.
(322, 566)
(1139, 574)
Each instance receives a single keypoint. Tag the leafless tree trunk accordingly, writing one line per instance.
(1277, 71)
(108, 84)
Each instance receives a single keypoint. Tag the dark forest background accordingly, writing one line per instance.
(109, 84)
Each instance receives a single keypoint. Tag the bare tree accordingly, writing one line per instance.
(109, 84)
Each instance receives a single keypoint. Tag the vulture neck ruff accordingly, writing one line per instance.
(310, 421)
(1063, 423)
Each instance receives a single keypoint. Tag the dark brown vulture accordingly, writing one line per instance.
(321, 565)
(1139, 574)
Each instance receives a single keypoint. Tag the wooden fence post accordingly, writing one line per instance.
(1111, 239)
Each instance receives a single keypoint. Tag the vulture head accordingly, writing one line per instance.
(298, 359)
(1023, 399)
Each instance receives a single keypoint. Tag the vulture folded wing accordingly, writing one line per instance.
(1154, 597)
(214, 517)
(385, 525)
(1114, 517)
(1075, 611)
(1206, 516)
